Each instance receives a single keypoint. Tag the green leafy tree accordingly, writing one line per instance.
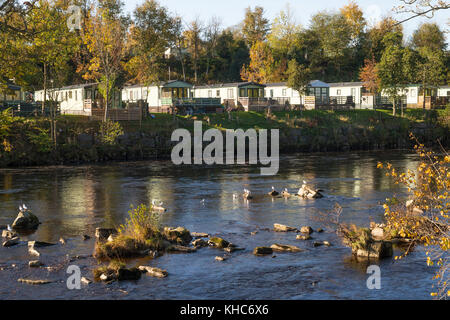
(299, 77)
(391, 69)
(255, 26)
(152, 33)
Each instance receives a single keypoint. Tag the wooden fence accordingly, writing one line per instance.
(118, 114)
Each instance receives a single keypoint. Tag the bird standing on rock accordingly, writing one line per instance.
(307, 192)
(285, 193)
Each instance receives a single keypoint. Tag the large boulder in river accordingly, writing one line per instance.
(285, 248)
(218, 242)
(283, 228)
(26, 220)
(306, 229)
(375, 250)
(179, 235)
(258, 251)
(103, 234)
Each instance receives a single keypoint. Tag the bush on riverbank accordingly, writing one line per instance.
(425, 217)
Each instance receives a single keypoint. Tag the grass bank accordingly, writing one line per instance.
(26, 141)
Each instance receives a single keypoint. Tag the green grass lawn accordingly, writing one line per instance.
(287, 119)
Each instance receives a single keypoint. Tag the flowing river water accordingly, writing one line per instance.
(71, 201)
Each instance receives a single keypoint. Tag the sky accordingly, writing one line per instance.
(231, 12)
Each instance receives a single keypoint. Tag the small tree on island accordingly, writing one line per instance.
(299, 77)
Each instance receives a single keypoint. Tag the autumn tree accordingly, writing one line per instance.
(355, 19)
(211, 36)
(104, 37)
(368, 74)
(261, 61)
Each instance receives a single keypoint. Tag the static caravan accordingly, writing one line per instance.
(78, 99)
(443, 91)
(347, 92)
(246, 94)
(283, 94)
(11, 93)
(158, 96)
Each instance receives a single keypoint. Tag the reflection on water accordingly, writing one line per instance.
(72, 201)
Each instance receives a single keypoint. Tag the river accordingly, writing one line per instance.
(72, 201)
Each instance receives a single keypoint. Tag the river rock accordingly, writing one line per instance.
(39, 244)
(85, 281)
(181, 249)
(231, 249)
(303, 237)
(262, 251)
(306, 229)
(283, 228)
(199, 235)
(285, 248)
(25, 220)
(34, 282)
(179, 235)
(218, 242)
(8, 234)
(219, 258)
(198, 243)
(11, 242)
(103, 234)
(128, 274)
(154, 272)
(376, 249)
(377, 233)
(35, 264)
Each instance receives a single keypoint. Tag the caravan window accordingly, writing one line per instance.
(230, 93)
(209, 93)
(338, 92)
(284, 93)
(70, 94)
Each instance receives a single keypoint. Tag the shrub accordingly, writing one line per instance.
(425, 219)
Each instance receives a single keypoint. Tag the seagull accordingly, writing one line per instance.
(20, 208)
(8, 227)
(285, 193)
(247, 194)
(24, 207)
(273, 193)
(235, 196)
(203, 201)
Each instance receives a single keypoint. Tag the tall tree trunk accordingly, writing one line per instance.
(44, 100)
(106, 99)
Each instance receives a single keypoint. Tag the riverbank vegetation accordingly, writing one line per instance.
(27, 141)
(424, 218)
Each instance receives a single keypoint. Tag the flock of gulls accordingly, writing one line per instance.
(305, 191)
